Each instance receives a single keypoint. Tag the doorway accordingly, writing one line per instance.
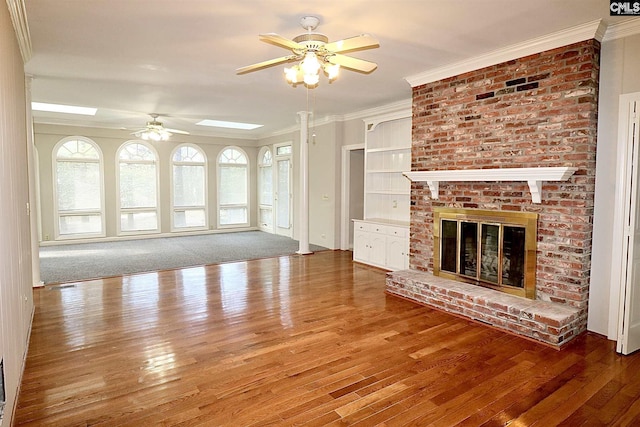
(627, 227)
(352, 192)
(283, 196)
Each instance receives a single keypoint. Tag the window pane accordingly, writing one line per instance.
(232, 190)
(77, 149)
(229, 216)
(233, 156)
(137, 185)
(266, 186)
(233, 185)
(137, 151)
(189, 218)
(78, 186)
(188, 185)
(138, 221)
(266, 158)
(80, 224)
(283, 219)
(281, 151)
(188, 154)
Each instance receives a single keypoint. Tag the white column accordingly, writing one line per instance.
(304, 184)
(32, 210)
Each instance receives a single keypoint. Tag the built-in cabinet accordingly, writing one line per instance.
(381, 245)
(382, 237)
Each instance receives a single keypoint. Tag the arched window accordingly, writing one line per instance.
(78, 190)
(233, 188)
(189, 178)
(138, 188)
(265, 189)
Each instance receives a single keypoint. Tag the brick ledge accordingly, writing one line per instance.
(544, 321)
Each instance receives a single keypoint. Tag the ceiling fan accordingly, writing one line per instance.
(314, 52)
(155, 131)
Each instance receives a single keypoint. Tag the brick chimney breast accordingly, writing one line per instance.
(535, 111)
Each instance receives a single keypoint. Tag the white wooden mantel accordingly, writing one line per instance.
(533, 176)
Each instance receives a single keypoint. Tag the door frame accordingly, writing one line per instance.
(261, 184)
(345, 178)
(276, 174)
(620, 234)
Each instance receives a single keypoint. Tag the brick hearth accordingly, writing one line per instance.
(551, 323)
(539, 110)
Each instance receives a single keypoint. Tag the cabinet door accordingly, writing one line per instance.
(397, 253)
(361, 246)
(377, 248)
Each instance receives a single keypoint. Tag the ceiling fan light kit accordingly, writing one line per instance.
(314, 53)
(153, 134)
(155, 131)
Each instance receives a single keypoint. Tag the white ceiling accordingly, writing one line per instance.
(178, 58)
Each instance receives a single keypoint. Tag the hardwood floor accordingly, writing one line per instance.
(299, 340)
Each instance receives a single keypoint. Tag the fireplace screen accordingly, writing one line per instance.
(488, 248)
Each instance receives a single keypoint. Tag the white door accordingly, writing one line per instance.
(629, 324)
(283, 196)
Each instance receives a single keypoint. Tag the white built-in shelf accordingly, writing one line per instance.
(533, 176)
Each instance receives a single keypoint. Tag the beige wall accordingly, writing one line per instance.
(16, 298)
(325, 145)
(47, 136)
(619, 74)
(324, 189)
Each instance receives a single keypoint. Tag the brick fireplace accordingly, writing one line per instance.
(532, 112)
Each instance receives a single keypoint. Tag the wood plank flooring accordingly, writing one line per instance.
(301, 340)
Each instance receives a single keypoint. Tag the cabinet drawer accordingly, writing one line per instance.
(362, 226)
(397, 231)
(378, 228)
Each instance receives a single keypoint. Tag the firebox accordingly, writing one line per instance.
(495, 249)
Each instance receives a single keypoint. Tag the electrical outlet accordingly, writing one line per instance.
(46, 237)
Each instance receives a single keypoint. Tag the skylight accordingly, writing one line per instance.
(59, 108)
(229, 125)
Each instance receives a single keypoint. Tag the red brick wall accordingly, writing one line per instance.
(540, 110)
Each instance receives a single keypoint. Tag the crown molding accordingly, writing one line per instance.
(401, 108)
(396, 109)
(550, 41)
(622, 29)
(18, 13)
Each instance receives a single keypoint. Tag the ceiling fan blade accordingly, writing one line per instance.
(278, 40)
(352, 63)
(364, 41)
(177, 131)
(265, 64)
